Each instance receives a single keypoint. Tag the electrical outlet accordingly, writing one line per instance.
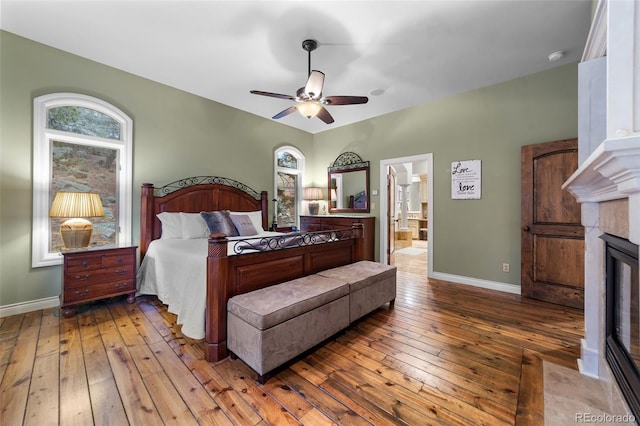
(505, 267)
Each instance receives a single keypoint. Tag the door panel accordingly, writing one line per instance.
(569, 270)
(552, 237)
(552, 205)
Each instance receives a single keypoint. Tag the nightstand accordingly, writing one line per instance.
(97, 273)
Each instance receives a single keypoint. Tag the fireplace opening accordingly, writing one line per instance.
(622, 321)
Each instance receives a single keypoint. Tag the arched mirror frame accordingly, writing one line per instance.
(348, 162)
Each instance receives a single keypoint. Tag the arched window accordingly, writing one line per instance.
(289, 169)
(80, 144)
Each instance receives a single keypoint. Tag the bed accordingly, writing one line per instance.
(229, 265)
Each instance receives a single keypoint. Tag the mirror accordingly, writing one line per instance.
(349, 184)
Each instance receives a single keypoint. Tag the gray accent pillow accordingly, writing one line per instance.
(243, 224)
(220, 223)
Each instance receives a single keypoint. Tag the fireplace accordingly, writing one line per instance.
(622, 317)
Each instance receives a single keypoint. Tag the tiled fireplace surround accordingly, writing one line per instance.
(607, 182)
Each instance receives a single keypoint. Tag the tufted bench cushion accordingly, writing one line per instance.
(371, 285)
(273, 305)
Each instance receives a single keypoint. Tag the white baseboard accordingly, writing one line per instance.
(589, 361)
(32, 305)
(476, 282)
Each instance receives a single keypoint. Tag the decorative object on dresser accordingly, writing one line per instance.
(76, 232)
(313, 194)
(97, 274)
(329, 222)
(349, 184)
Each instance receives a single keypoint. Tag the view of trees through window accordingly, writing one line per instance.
(287, 184)
(83, 168)
(287, 188)
(84, 121)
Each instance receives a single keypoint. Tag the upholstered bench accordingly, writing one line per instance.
(270, 326)
(371, 285)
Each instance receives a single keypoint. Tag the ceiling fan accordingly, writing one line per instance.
(309, 99)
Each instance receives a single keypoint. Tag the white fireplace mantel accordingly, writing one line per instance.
(611, 172)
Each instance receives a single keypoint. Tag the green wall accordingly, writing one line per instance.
(177, 134)
(471, 238)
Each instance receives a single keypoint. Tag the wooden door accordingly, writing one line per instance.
(391, 215)
(552, 236)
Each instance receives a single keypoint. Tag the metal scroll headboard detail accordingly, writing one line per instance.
(203, 180)
(347, 161)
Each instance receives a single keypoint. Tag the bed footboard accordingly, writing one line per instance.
(228, 276)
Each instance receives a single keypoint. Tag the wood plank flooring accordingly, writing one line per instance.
(447, 354)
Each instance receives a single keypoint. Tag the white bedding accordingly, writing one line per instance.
(175, 270)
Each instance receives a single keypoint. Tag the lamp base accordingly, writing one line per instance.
(313, 208)
(76, 233)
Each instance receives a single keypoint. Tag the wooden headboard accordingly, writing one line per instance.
(193, 195)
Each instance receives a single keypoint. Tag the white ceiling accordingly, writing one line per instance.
(412, 51)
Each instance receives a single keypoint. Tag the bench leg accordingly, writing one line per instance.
(232, 355)
(262, 378)
(392, 302)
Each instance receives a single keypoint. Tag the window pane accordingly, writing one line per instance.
(287, 160)
(84, 168)
(287, 185)
(84, 121)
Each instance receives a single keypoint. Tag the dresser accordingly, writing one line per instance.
(326, 222)
(97, 273)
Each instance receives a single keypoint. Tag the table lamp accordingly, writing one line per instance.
(313, 194)
(334, 198)
(76, 231)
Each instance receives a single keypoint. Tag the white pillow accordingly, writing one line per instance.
(256, 219)
(193, 226)
(171, 225)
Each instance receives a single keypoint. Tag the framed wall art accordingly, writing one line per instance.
(466, 180)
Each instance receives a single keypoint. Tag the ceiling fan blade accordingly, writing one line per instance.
(273, 95)
(346, 100)
(325, 116)
(285, 112)
(313, 88)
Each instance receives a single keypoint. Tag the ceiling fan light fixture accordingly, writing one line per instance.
(309, 99)
(309, 108)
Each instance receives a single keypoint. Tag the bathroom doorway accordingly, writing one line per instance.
(406, 212)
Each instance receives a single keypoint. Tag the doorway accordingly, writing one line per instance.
(406, 213)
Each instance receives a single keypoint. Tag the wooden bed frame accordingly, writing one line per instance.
(231, 275)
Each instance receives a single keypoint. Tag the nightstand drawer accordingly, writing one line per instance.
(119, 260)
(98, 291)
(84, 263)
(83, 278)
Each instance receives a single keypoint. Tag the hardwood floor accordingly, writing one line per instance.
(446, 354)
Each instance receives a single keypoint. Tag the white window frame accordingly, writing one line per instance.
(42, 136)
(299, 171)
